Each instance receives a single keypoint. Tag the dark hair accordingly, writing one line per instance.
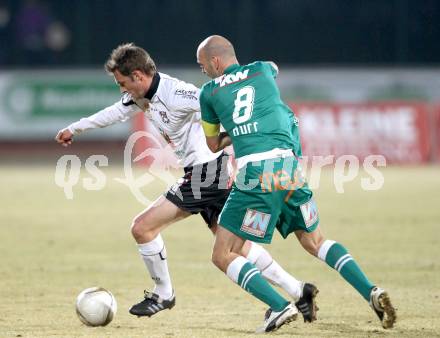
(127, 58)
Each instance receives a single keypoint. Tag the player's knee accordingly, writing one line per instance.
(218, 259)
(136, 229)
(141, 231)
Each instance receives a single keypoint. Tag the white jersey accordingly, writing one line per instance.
(173, 108)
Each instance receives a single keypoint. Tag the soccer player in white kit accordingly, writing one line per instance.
(173, 108)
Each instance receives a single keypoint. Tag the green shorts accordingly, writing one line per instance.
(268, 194)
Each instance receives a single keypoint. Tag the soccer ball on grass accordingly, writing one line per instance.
(96, 306)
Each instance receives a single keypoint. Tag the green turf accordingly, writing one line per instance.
(52, 248)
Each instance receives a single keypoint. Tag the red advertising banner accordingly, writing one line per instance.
(396, 130)
(403, 132)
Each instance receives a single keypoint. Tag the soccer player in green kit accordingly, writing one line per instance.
(270, 191)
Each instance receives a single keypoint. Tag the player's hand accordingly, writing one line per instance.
(64, 137)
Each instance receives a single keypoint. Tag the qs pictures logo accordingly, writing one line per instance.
(68, 169)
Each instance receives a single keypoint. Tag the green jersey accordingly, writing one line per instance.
(246, 101)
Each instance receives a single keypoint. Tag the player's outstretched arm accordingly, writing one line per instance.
(118, 112)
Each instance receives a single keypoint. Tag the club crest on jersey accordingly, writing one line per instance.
(164, 116)
(309, 213)
(231, 78)
(255, 223)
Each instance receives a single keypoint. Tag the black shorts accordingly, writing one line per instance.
(203, 189)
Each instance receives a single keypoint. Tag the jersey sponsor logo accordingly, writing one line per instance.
(309, 213)
(231, 78)
(255, 223)
(186, 94)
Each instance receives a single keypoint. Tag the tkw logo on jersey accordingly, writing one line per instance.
(309, 213)
(231, 78)
(255, 223)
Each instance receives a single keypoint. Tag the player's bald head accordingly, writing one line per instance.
(215, 54)
(216, 45)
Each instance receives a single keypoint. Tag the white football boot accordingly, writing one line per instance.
(277, 319)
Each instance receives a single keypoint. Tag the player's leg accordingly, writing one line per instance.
(213, 201)
(302, 293)
(338, 258)
(289, 221)
(250, 215)
(269, 268)
(146, 230)
(226, 257)
(301, 216)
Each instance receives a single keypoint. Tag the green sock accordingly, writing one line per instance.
(337, 257)
(249, 278)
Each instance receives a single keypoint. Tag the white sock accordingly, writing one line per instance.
(273, 272)
(234, 268)
(325, 247)
(154, 255)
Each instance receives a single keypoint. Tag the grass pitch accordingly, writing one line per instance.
(51, 248)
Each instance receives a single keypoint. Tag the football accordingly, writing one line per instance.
(96, 306)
